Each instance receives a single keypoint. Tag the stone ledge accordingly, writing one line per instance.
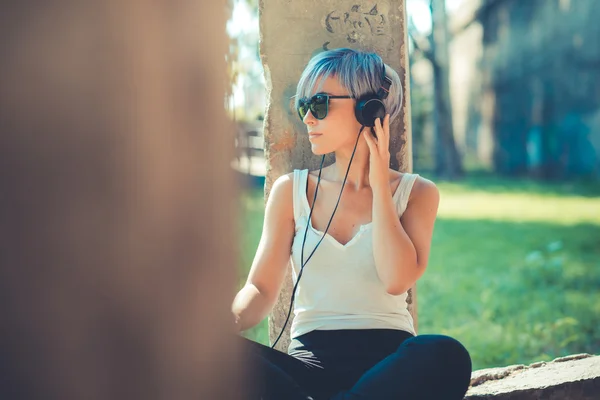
(575, 377)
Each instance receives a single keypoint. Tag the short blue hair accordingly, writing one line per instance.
(358, 71)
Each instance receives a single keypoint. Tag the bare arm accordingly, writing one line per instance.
(258, 296)
(401, 246)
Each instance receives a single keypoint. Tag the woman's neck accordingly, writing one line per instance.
(358, 176)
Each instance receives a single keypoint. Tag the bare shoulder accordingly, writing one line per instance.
(395, 175)
(280, 199)
(285, 180)
(282, 188)
(395, 178)
(425, 191)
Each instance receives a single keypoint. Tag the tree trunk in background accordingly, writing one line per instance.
(447, 160)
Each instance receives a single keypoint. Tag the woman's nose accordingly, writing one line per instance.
(309, 118)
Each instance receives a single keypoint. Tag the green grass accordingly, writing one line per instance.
(252, 213)
(514, 272)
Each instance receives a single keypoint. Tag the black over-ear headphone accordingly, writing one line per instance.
(370, 107)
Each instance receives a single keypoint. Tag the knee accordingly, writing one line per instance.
(452, 349)
(445, 352)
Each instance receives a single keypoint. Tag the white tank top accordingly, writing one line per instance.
(340, 288)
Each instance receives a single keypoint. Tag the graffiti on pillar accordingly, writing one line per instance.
(365, 23)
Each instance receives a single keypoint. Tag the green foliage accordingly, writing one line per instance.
(514, 270)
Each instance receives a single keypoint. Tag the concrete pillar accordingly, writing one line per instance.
(116, 262)
(291, 33)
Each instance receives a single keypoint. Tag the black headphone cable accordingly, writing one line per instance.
(308, 223)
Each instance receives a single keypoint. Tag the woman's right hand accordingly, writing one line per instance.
(237, 326)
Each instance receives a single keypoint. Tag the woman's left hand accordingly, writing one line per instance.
(379, 162)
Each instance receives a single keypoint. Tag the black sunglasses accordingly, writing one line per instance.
(318, 105)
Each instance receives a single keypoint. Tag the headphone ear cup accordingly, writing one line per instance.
(368, 110)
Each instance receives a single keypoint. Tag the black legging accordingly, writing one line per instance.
(360, 364)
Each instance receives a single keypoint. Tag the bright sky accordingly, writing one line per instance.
(419, 11)
(243, 20)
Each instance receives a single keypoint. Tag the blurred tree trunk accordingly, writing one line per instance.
(117, 203)
(447, 160)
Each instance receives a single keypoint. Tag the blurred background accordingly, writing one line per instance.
(505, 115)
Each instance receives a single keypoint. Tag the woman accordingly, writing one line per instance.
(352, 336)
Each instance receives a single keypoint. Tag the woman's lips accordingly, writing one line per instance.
(314, 135)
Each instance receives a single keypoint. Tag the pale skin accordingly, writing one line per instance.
(401, 246)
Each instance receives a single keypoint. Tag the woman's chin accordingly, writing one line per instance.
(318, 150)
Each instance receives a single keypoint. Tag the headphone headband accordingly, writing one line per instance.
(386, 83)
(370, 107)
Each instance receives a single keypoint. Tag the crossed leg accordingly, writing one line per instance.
(424, 367)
